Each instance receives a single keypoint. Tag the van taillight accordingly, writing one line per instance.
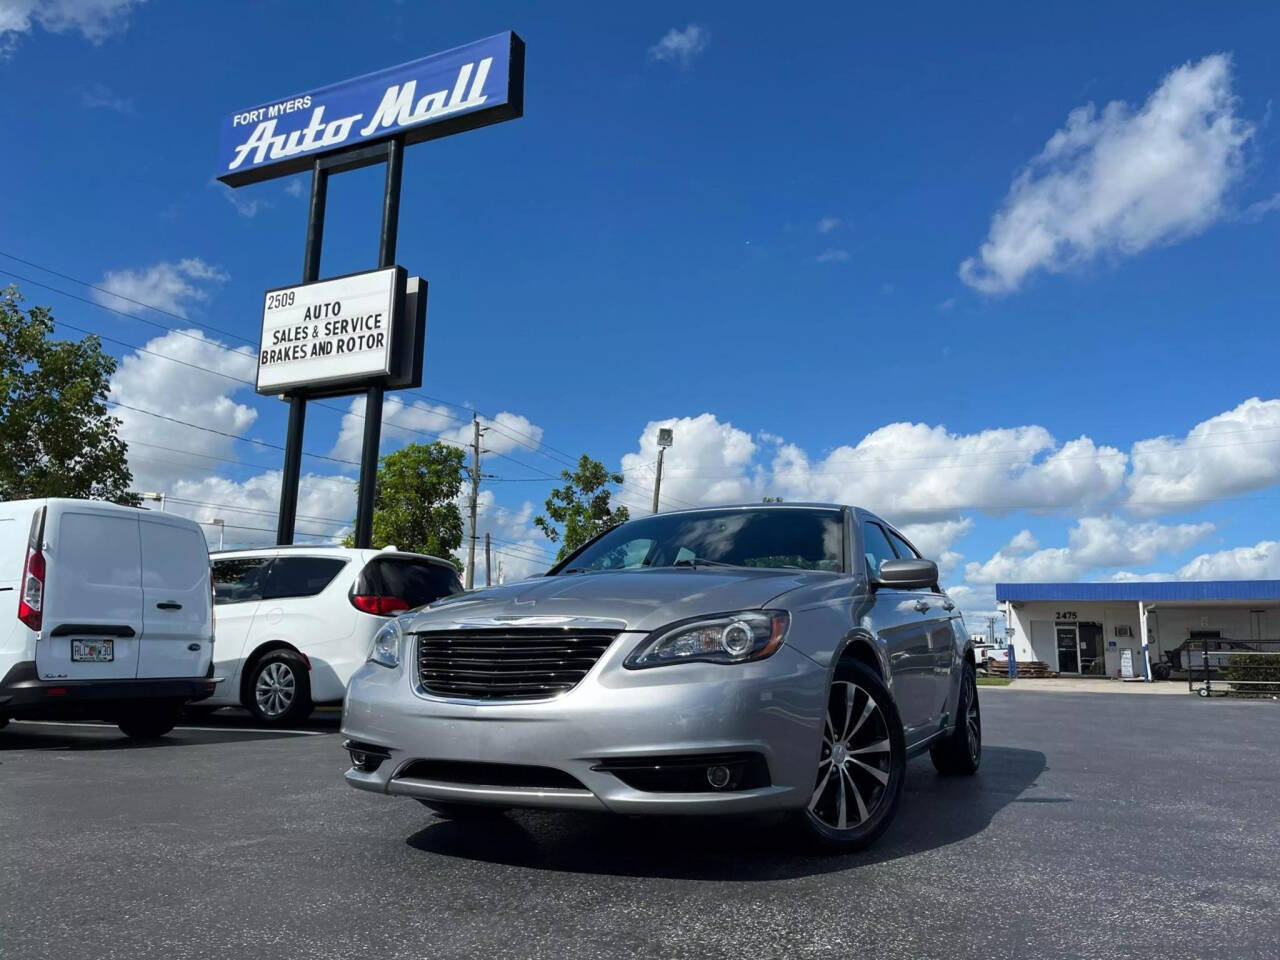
(31, 600)
(379, 606)
(213, 603)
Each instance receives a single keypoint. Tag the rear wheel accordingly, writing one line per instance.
(149, 722)
(463, 811)
(861, 766)
(961, 751)
(279, 690)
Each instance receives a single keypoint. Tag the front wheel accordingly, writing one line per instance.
(960, 752)
(861, 766)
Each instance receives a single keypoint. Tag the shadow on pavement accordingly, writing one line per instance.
(88, 735)
(935, 811)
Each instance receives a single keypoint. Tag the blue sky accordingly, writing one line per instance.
(751, 225)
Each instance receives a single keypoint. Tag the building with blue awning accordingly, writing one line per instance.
(1085, 629)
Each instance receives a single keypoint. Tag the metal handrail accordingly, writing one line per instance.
(1224, 656)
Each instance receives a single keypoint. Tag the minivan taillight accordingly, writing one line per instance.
(379, 606)
(31, 600)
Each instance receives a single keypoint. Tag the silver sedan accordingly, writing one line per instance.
(779, 657)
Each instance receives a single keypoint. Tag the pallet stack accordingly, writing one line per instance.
(1028, 670)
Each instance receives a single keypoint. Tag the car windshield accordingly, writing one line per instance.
(801, 538)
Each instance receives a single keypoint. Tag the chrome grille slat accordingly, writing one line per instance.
(503, 664)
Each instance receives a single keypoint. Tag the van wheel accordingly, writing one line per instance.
(279, 690)
(150, 722)
(961, 751)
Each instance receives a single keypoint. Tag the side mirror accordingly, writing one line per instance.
(907, 574)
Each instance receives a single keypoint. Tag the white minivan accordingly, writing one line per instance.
(109, 614)
(295, 622)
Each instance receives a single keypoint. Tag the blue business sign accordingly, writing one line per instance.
(461, 89)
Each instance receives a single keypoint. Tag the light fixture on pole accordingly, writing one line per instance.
(665, 439)
(159, 497)
(221, 525)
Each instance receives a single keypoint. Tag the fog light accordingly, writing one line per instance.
(366, 757)
(718, 777)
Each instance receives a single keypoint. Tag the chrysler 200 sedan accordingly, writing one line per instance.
(781, 657)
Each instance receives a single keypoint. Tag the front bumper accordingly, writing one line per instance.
(24, 694)
(772, 709)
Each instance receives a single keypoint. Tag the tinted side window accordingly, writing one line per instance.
(904, 549)
(876, 546)
(239, 580)
(416, 582)
(301, 576)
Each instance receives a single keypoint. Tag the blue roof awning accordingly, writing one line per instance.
(1133, 591)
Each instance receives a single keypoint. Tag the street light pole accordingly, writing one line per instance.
(665, 439)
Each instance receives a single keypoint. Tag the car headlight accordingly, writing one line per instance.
(386, 644)
(728, 638)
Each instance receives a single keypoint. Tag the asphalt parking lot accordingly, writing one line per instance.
(1099, 826)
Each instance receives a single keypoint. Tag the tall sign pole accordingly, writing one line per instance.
(373, 396)
(475, 496)
(362, 333)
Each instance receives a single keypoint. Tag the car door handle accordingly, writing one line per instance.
(922, 606)
(168, 605)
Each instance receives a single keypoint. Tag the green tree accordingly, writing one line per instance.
(415, 505)
(57, 437)
(581, 507)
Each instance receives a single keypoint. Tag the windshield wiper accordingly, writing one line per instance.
(703, 562)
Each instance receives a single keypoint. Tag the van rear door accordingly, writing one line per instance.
(177, 625)
(92, 620)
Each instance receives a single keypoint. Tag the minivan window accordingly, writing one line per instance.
(300, 576)
(905, 552)
(876, 545)
(417, 582)
(239, 580)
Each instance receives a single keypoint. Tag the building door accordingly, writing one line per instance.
(1091, 661)
(1068, 652)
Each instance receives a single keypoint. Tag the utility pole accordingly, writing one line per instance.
(665, 439)
(488, 560)
(475, 496)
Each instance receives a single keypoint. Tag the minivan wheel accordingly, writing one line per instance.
(961, 751)
(462, 811)
(861, 765)
(279, 690)
(149, 722)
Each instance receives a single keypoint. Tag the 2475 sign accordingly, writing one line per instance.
(467, 87)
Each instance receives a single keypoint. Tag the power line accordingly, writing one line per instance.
(224, 433)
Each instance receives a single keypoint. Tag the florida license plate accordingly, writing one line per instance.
(93, 651)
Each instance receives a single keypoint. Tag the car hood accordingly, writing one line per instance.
(641, 599)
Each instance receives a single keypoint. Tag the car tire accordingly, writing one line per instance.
(862, 739)
(960, 752)
(279, 689)
(149, 722)
(463, 811)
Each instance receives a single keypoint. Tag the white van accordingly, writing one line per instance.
(109, 614)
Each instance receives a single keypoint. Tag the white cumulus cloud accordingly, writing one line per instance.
(172, 287)
(1232, 453)
(95, 20)
(1117, 181)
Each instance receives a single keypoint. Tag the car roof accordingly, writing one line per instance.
(326, 550)
(786, 505)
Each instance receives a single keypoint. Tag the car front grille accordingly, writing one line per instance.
(503, 664)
